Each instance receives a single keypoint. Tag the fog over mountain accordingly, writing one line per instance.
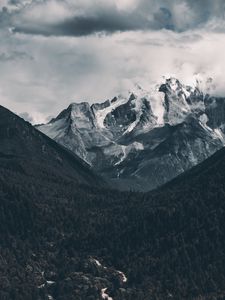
(55, 52)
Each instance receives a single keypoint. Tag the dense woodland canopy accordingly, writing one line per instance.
(170, 243)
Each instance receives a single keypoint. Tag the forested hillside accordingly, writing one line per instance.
(62, 238)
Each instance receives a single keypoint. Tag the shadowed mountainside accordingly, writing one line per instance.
(64, 240)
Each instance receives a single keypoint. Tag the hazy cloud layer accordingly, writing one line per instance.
(53, 52)
(14, 55)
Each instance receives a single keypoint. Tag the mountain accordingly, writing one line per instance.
(26, 150)
(62, 239)
(143, 139)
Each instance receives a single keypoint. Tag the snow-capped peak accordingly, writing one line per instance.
(173, 83)
(102, 112)
(128, 136)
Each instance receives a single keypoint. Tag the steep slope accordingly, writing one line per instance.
(145, 138)
(26, 150)
(61, 240)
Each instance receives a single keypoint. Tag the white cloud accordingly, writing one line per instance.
(46, 12)
(129, 5)
(50, 72)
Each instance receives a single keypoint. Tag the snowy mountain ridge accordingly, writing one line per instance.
(166, 129)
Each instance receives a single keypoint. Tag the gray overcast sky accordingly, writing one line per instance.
(53, 52)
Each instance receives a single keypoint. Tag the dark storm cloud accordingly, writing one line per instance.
(97, 17)
(83, 25)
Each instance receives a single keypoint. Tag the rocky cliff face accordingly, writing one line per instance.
(145, 138)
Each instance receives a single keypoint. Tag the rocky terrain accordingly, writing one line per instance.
(145, 138)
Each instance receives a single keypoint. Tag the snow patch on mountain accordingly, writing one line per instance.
(104, 295)
(124, 278)
(219, 134)
(118, 274)
(100, 114)
(157, 99)
(203, 121)
(127, 149)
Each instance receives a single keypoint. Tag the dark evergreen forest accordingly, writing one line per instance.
(55, 216)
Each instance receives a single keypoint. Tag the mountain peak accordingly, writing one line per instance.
(79, 105)
(174, 125)
(31, 149)
(173, 83)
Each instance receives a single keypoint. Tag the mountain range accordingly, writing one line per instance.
(144, 138)
(66, 235)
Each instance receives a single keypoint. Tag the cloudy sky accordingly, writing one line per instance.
(53, 52)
